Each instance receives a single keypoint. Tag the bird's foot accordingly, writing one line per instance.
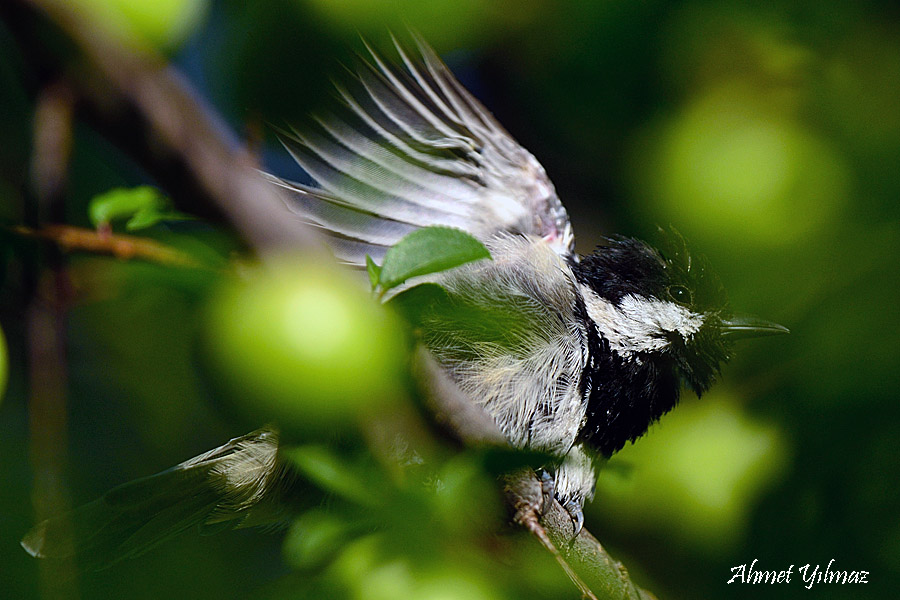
(572, 505)
(576, 513)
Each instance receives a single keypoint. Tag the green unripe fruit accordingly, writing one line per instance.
(161, 24)
(306, 347)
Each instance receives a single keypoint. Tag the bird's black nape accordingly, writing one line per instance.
(624, 266)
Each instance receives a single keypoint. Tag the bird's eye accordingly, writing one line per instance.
(680, 294)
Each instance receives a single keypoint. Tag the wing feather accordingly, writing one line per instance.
(411, 148)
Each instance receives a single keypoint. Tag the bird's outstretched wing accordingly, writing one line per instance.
(409, 148)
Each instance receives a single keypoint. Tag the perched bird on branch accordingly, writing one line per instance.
(570, 355)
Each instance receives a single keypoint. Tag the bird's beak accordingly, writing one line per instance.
(738, 328)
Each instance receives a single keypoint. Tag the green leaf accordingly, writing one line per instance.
(467, 324)
(429, 250)
(121, 203)
(373, 270)
(326, 470)
(501, 460)
(145, 218)
(414, 303)
(315, 537)
(142, 206)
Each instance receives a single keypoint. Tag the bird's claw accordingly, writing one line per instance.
(576, 513)
(571, 505)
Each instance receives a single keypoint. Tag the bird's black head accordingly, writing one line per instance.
(664, 306)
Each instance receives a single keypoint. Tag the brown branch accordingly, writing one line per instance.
(452, 409)
(606, 576)
(524, 494)
(45, 330)
(70, 238)
(584, 560)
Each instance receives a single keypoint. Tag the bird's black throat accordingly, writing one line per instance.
(625, 395)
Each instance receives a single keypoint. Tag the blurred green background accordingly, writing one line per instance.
(768, 135)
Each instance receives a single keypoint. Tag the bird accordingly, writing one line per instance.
(571, 355)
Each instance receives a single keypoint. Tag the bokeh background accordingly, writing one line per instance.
(767, 134)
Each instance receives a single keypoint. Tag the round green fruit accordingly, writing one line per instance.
(161, 24)
(306, 347)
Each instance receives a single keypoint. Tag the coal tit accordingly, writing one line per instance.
(594, 349)
(583, 353)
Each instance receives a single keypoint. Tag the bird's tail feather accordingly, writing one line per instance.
(230, 486)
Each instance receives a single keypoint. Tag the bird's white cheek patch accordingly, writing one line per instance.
(639, 324)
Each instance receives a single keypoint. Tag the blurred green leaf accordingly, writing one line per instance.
(429, 250)
(333, 474)
(454, 582)
(315, 537)
(413, 303)
(364, 567)
(142, 206)
(498, 460)
(466, 501)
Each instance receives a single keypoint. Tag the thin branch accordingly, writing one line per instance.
(584, 560)
(45, 326)
(70, 238)
(525, 496)
(451, 408)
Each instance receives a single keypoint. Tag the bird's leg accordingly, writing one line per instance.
(548, 489)
(574, 483)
